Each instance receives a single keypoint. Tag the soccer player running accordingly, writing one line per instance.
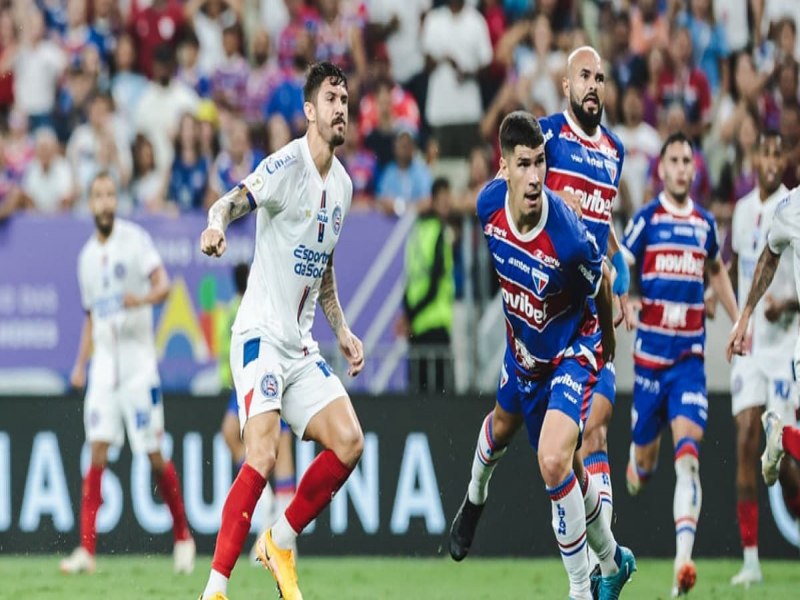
(301, 194)
(783, 232)
(548, 266)
(763, 377)
(674, 242)
(121, 277)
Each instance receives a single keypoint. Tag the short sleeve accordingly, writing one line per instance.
(588, 262)
(635, 236)
(736, 241)
(712, 240)
(83, 284)
(779, 236)
(263, 185)
(149, 258)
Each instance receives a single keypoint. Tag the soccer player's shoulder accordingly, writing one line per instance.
(550, 125)
(614, 139)
(491, 198)
(284, 161)
(789, 207)
(565, 227)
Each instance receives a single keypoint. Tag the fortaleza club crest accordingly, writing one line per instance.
(539, 281)
(336, 219)
(269, 386)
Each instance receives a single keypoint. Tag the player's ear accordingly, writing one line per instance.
(503, 167)
(565, 85)
(310, 111)
(661, 169)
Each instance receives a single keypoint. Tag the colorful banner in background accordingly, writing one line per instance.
(41, 314)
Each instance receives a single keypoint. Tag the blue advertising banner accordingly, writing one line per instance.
(41, 313)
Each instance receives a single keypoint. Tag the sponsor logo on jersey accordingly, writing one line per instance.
(587, 274)
(322, 216)
(701, 235)
(274, 163)
(526, 305)
(683, 263)
(498, 259)
(546, 259)
(539, 280)
(337, 219)
(567, 380)
(515, 262)
(492, 230)
(256, 182)
(694, 398)
(611, 168)
(310, 263)
(269, 386)
(576, 158)
(592, 204)
(683, 230)
(595, 162)
(548, 135)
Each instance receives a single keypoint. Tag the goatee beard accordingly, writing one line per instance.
(587, 120)
(104, 228)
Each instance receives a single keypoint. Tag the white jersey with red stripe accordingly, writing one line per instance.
(587, 166)
(752, 218)
(299, 217)
(784, 232)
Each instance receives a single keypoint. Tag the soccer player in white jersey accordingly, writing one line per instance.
(121, 277)
(763, 377)
(301, 195)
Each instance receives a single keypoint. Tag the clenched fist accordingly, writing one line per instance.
(212, 241)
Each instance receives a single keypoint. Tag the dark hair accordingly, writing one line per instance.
(318, 73)
(104, 174)
(240, 273)
(520, 128)
(440, 184)
(676, 138)
(769, 134)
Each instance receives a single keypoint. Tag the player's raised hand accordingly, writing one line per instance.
(572, 200)
(77, 378)
(353, 350)
(737, 340)
(212, 241)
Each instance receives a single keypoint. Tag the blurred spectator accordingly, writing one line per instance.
(496, 22)
(264, 77)
(340, 40)
(190, 71)
(229, 80)
(790, 133)
(297, 38)
(279, 134)
(147, 185)
(106, 27)
(786, 81)
(710, 48)
(769, 13)
(400, 104)
(127, 86)
(406, 180)
(456, 43)
(429, 295)
(738, 175)
(274, 16)
(208, 117)
(8, 49)
(360, 164)
(38, 65)
(287, 97)
(48, 182)
(686, 85)
(188, 180)
(210, 18)
(234, 163)
(399, 25)
(786, 40)
(380, 139)
(156, 25)
(732, 16)
(480, 173)
(656, 62)
(78, 34)
(649, 27)
(161, 107)
(627, 67)
(19, 150)
(100, 144)
(10, 196)
(746, 94)
(642, 146)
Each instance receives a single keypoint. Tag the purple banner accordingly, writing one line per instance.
(41, 314)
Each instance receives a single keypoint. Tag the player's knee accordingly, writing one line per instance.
(350, 446)
(555, 466)
(503, 429)
(261, 456)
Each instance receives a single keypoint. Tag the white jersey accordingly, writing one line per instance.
(751, 222)
(122, 338)
(298, 223)
(785, 232)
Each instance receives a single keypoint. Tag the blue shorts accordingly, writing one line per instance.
(568, 389)
(607, 383)
(661, 395)
(233, 408)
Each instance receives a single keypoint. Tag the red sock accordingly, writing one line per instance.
(236, 515)
(91, 499)
(323, 478)
(791, 441)
(747, 513)
(170, 489)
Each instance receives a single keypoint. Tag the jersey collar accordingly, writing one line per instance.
(531, 235)
(306, 152)
(676, 210)
(578, 130)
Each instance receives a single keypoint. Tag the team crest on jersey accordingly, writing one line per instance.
(269, 386)
(539, 280)
(611, 169)
(700, 235)
(119, 270)
(336, 219)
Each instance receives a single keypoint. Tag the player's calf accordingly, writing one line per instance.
(637, 475)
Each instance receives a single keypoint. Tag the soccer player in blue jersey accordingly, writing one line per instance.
(548, 266)
(674, 243)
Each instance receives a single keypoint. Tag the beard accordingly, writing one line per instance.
(587, 120)
(337, 139)
(104, 226)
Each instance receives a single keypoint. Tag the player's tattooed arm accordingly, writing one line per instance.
(231, 206)
(329, 299)
(762, 278)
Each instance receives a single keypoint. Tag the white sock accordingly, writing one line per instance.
(598, 531)
(688, 498)
(282, 533)
(598, 469)
(217, 582)
(751, 557)
(487, 455)
(569, 525)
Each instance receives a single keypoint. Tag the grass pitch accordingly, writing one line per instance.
(141, 577)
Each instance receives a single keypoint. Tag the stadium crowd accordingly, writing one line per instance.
(180, 100)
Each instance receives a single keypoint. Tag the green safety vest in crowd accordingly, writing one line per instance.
(421, 250)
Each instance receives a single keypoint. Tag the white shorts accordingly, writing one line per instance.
(752, 385)
(136, 407)
(266, 380)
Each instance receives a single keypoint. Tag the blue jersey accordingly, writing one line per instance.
(671, 247)
(545, 276)
(588, 167)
